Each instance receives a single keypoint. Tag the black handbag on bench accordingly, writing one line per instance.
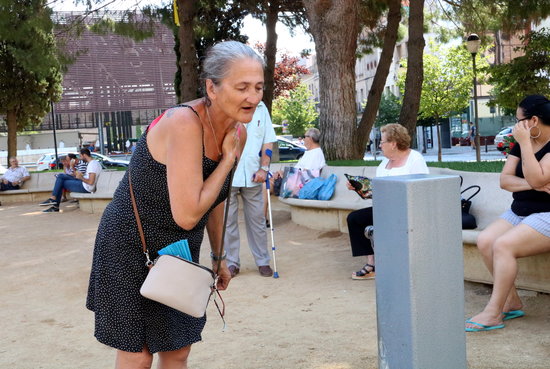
(468, 220)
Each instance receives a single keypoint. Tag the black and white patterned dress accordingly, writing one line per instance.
(123, 318)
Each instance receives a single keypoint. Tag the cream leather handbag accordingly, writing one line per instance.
(178, 283)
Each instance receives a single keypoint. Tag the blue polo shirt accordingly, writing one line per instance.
(259, 132)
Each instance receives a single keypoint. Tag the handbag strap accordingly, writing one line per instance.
(148, 263)
(476, 187)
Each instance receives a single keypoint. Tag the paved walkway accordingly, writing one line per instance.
(313, 317)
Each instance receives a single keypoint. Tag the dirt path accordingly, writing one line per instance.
(313, 317)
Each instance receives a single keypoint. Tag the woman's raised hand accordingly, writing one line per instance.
(231, 147)
(521, 132)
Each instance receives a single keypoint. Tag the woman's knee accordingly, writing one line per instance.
(131, 360)
(485, 241)
(178, 356)
(502, 247)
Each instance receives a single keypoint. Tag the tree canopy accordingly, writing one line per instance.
(297, 110)
(30, 75)
(524, 75)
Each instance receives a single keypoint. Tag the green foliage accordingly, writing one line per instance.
(447, 81)
(485, 18)
(389, 110)
(524, 75)
(30, 74)
(137, 28)
(297, 110)
(215, 20)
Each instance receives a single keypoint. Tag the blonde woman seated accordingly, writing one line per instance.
(523, 230)
(399, 160)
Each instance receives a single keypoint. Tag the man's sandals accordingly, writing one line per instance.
(367, 272)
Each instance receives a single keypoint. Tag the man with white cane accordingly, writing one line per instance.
(249, 176)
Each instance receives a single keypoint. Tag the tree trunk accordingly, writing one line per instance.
(270, 52)
(335, 27)
(188, 61)
(379, 81)
(11, 118)
(415, 69)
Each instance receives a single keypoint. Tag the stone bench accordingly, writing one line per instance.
(488, 205)
(96, 202)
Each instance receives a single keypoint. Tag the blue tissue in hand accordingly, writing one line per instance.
(179, 248)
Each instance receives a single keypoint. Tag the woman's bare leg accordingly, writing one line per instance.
(485, 242)
(520, 241)
(174, 359)
(134, 360)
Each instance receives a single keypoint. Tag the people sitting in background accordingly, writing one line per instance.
(523, 230)
(84, 183)
(399, 160)
(76, 164)
(14, 177)
(71, 164)
(312, 160)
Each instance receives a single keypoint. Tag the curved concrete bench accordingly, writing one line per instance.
(488, 205)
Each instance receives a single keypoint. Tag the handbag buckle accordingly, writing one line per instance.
(148, 263)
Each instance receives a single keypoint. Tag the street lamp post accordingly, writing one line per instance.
(472, 44)
(54, 135)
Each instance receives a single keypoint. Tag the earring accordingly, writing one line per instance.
(533, 137)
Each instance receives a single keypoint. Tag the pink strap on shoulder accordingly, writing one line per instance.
(154, 122)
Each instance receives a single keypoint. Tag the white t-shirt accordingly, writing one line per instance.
(93, 167)
(415, 165)
(313, 159)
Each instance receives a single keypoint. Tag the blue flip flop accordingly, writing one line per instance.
(483, 327)
(513, 314)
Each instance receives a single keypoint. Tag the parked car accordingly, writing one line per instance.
(47, 161)
(288, 150)
(506, 132)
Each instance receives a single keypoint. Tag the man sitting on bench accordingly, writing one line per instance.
(14, 177)
(84, 183)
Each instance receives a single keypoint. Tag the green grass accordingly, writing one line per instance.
(470, 166)
(467, 166)
(494, 166)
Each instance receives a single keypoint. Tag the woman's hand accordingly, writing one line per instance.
(521, 132)
(231, 147)
(224, 275)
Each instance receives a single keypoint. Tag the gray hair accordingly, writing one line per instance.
(314, 134)
(219, 58)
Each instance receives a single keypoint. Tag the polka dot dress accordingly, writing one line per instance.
(123, 318)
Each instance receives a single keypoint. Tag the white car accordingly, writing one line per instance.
(499, 138)
(47, 161)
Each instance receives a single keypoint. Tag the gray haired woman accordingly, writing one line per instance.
(180, 178)
(313, 159)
